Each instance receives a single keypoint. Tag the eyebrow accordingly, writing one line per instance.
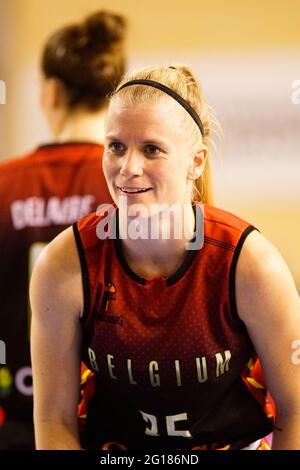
(158, 142)
(148, 141)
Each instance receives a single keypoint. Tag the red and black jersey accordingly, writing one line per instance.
(40, 195)
(171, 357)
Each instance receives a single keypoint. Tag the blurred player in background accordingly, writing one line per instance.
(44, 192)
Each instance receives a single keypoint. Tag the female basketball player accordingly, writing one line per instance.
(42, 193)
(169, 302)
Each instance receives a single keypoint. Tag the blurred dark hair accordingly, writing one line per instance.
(88, 58)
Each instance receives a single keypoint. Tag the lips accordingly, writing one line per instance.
(131, 190)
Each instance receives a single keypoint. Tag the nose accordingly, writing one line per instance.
(132, 164)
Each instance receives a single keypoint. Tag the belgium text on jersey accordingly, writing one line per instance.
(2, 352)
(152, 222)
(152, 369)
(2, 92)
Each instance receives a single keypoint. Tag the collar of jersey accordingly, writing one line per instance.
(170, 281)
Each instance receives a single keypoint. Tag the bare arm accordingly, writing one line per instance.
(56, 300)
(269, 305)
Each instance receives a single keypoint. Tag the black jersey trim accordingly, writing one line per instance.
(213, 241)
(170, 281)
(84, 273)
(66, 144)
(121, 257)
(232, 275)
(188, 260)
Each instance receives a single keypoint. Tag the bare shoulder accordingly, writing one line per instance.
(61, 253)
(259, 256)
(57, 273)
(262, 277)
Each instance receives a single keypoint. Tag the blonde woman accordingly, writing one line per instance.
(170, 325)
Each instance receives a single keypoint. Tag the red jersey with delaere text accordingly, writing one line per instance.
(172, 362)
(40, 195)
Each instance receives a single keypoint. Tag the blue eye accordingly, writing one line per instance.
(151, 149)
(116, 147)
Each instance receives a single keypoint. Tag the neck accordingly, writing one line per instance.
(83, 126)
(159, 256)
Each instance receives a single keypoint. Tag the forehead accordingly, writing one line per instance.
(163, 117)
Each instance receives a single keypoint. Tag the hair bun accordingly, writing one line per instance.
(106, 27)
(88, 57)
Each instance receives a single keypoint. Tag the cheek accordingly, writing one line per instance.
(162, 173)
(108, 166)
(104, 166)
(180, 170)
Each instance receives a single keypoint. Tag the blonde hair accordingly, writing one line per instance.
(182, 80)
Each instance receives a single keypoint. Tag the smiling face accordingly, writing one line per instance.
(148, 155)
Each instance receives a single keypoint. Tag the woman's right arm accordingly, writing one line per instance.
(56, 303)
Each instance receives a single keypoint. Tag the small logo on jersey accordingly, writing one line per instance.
(110, 293)
(114, 319)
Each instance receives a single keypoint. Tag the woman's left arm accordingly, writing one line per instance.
(269, 305)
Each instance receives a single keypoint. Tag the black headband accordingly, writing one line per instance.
(171, 93)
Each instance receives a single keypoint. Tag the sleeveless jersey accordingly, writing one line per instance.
(40, 195)
(172, 360)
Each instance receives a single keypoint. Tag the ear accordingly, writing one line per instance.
(52, 93)
(198, 163)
